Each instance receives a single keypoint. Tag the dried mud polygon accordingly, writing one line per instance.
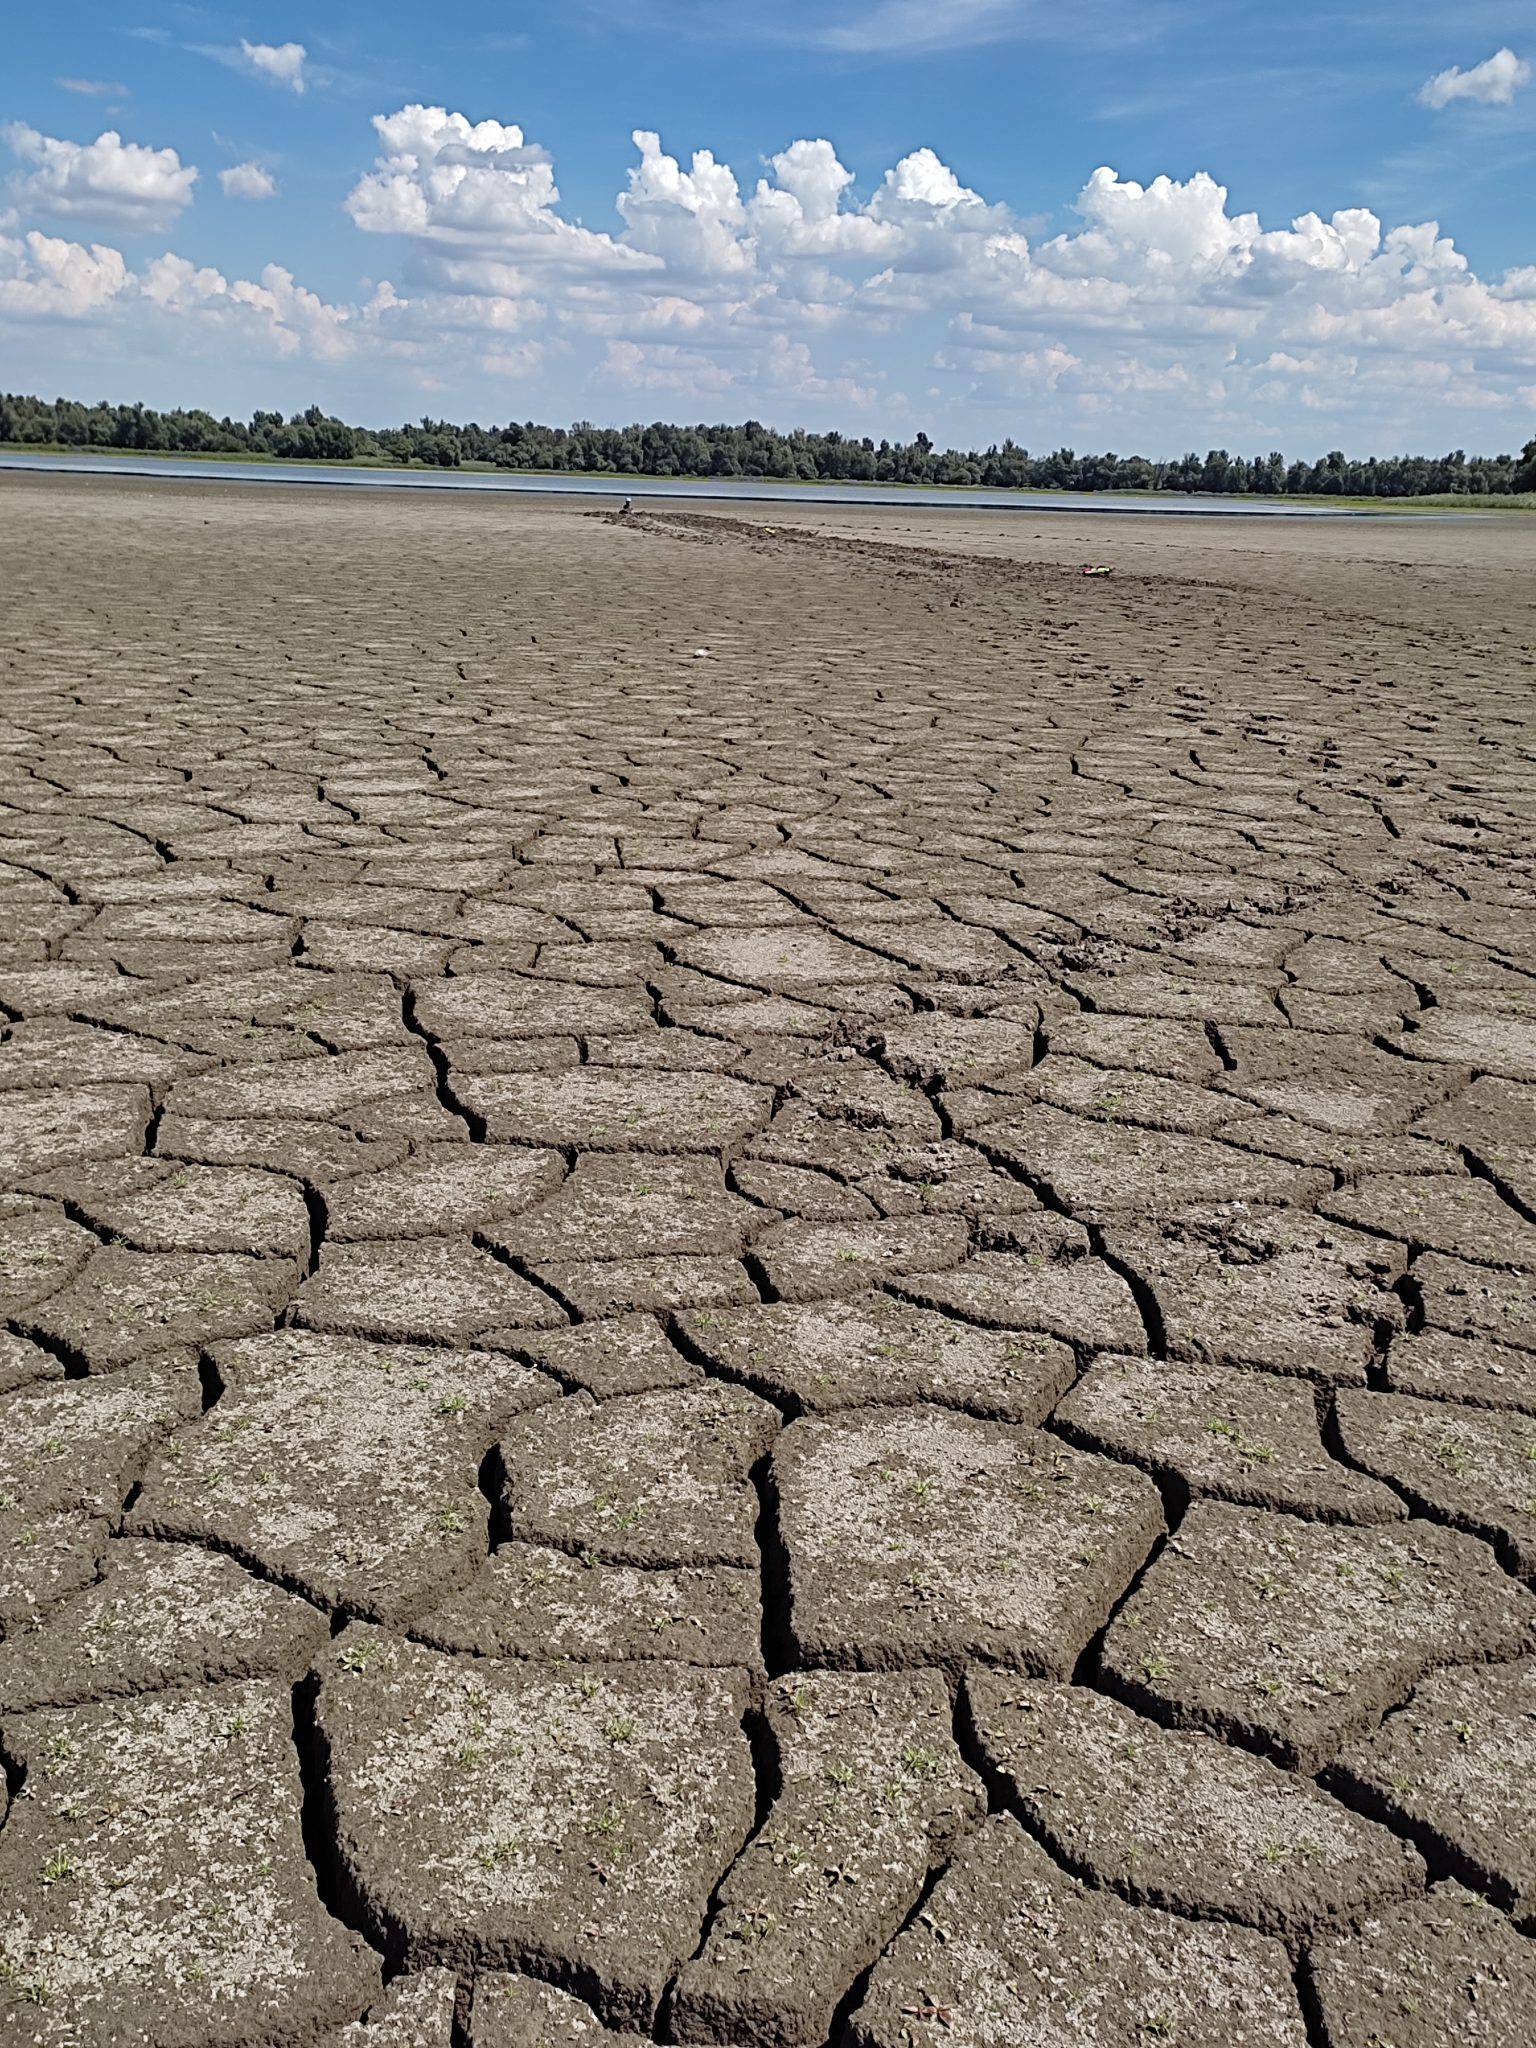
(920, 1536)
(661, 1478)
(1010, 1948)
(1179, 1820)
(1290, 1636)
(517, 1813)
(1445, 1968)
(815, 1356)
(153, 1883)
(347, 1470)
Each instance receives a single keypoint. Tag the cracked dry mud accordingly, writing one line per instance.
(829, 1343)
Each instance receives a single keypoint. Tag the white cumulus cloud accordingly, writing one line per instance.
(108, 179)
(248, 181)
(476, 187)
(1168, 224)
(1493, 83)
(800, 211)
(920, 186)
(692, 220)
(273, 309)
(278, 63)
(45, 278)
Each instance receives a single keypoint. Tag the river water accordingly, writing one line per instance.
(753, 490)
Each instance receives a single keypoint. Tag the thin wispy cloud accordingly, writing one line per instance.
(1201, 90)
(909, 29)
(905, 26)
(94, 88)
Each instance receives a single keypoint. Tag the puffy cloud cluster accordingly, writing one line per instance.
(786, 291)
(1493, 83)
(804, 295)
(110, 180)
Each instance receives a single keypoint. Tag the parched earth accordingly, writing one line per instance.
(763, 1285)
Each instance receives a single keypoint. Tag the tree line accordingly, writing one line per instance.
(749, 450)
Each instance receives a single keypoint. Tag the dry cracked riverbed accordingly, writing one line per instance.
(761, 1286)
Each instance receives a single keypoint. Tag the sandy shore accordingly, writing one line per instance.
(768, 1279)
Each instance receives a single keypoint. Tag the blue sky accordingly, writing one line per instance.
(1153, 225)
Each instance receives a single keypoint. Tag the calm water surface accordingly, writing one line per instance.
(756, 490)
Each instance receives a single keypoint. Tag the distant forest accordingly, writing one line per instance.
(750, 450)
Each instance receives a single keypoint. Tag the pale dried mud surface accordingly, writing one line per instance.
(765, 1279)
